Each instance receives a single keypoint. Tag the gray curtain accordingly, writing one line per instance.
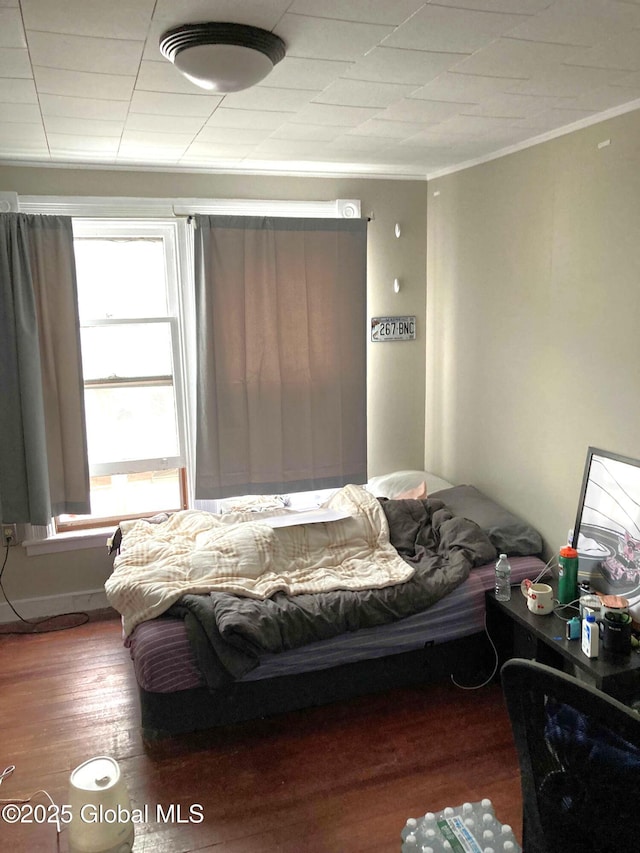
(43, 450)
(281, 354)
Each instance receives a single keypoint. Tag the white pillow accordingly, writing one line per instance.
(399, 482)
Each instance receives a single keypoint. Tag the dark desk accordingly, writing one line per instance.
(518, 633)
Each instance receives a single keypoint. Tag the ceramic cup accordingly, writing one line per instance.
(539, 597)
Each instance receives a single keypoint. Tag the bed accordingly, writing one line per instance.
(427, 636)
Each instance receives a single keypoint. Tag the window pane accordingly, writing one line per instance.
(126, 350)
(120, 278)
(123, 495)
(130, 423)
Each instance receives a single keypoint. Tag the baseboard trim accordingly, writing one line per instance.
(54, 605)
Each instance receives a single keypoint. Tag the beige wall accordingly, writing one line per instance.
(533, 308)
(396, 406)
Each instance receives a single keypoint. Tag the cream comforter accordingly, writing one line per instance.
(198, 552)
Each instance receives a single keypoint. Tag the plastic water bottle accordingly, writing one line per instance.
(503, 579)
(409, 828)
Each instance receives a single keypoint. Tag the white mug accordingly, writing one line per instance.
(539, 597)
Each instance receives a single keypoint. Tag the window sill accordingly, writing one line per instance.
(77, 540)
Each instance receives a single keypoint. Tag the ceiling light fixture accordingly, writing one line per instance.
(222, 57)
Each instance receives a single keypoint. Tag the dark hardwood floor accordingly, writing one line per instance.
(337, 779)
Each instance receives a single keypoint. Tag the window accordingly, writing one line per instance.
(136, 294)
(130, 337)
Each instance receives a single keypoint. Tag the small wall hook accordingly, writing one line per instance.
(398, 230)
(396, 285)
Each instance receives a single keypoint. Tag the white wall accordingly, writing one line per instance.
(396, 405)
(533, 306)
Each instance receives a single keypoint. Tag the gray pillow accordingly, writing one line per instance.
(509, 534)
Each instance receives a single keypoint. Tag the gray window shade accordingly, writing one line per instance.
(281, 354)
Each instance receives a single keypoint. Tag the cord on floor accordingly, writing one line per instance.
(39, 626)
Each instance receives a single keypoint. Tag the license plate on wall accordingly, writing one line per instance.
(393, 328)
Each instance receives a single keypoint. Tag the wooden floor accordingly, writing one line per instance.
(337, 779)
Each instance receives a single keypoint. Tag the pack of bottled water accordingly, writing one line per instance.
(469, 828)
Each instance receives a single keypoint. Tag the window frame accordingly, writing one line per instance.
(168, 231)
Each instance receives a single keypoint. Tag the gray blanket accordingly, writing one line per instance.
(229, 633)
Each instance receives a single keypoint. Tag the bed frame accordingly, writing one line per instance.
(470, 660)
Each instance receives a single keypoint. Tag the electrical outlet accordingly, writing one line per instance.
(9, 534)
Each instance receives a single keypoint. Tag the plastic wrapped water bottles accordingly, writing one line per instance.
(471, 826)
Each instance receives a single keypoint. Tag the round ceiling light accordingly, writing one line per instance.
(222, 57)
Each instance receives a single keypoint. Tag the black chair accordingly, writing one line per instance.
(579, 756)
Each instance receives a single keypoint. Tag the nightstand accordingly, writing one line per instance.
(518, 633)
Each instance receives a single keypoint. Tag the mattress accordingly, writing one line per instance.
(164, 663)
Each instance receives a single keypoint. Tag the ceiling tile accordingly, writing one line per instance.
(427, 112)
(14, 62)
(11, 29)
(365, 11)
(623, 79)
(319, 132)
(468, 125)
(296, 73)
(23, 139)
(82, 127)
(566, 80)
(419, 158)
(232, 135)
(188, 125)
(80, 53)
(62, 144)
(463, 88)
(516, 7)
(261, 119)
(452, 30)
(157, 140)
(550, 119)
(514, 106)
(290, 148)
(115, 19)
(393, 65)
(90, 108)
(623, 53)
(607, 98)
(579, 22)
(257, 13)
(158, 148)
(508, 57)
(174, 105)
(268, 98)
(397, 130)
(16, 91)
(109, 87)
(203, 151)
(322, 38)
(220, 148)
(333, 115)
(362, 144)
(21, 113)
(362, 93)
(166, 157)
